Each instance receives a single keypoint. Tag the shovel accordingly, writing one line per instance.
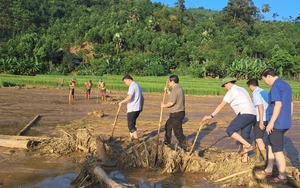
(115, 122)
(200, 127)
(159, 124)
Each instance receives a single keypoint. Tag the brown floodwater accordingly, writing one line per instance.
(138, 178)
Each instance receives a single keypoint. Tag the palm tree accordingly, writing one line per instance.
(180, 5)
(265, 9)
(275, 15)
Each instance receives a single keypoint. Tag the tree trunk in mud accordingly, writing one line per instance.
(35, 138)
(102, 154)
(22, 144)
(103, 177)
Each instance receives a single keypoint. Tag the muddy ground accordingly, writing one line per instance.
(19, 106)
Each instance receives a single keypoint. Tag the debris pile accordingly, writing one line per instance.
(221, 167)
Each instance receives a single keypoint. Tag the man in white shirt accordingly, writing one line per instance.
(241, 103)
(135, 103)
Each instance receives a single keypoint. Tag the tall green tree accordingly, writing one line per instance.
(141, 37)
(238, 11)
(180, 5)
(283, 61)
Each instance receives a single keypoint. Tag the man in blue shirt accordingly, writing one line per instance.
(260, 101)
(280, 112)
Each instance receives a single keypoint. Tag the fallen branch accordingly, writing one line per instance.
(28, 125)
(232, 175)
(74, 138)
(103, 177)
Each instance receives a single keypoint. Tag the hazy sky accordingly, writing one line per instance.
(284, 8)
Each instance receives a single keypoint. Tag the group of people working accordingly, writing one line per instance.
(267, 112)
(88, 85)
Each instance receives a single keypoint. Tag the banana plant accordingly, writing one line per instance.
(246, 68)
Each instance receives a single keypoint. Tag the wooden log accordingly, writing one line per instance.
(103, 177)
(12, 137)
(28, 125)
(22, 144)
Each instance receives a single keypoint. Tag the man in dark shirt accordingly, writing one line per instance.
(176, 106)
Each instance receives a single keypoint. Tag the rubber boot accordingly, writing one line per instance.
(262, 163)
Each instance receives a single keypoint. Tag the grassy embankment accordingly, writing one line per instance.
(192, 86)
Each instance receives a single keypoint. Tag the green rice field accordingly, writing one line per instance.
(192, 86)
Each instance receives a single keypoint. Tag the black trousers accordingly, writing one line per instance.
(131, 120)
(175, 123)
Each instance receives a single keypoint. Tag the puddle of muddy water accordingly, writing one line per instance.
(138, 178)
(144, 178)
(61, 181)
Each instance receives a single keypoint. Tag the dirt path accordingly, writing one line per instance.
(19, 106)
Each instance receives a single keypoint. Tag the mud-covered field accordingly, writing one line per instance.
(19, 106)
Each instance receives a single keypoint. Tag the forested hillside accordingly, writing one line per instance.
(138, 37)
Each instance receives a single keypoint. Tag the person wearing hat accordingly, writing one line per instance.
(241, 103)
(102, 88)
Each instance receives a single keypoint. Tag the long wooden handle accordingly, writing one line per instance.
(160, 118)
(161, 109)
(115, 122)
(200, 127)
